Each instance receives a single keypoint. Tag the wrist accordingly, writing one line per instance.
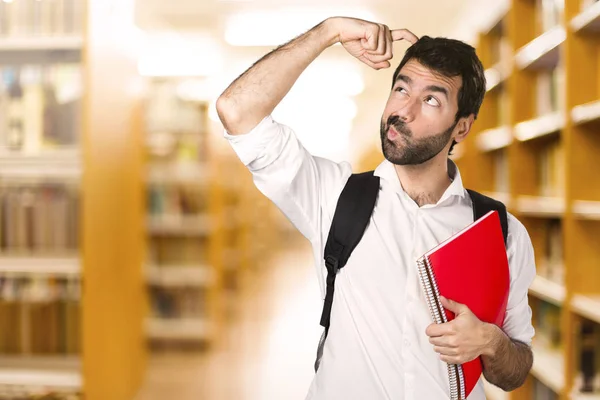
(492, 338)
(331, 33)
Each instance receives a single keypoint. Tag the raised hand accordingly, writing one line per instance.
(370, 42)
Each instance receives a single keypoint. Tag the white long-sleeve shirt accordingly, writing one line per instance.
(377, 347)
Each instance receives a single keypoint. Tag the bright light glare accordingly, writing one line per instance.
(343, 77)
(195, 90)
(320, 107)
(322, 123)
(492, 77)
(170, 54)
(275, 27)
(212, 112)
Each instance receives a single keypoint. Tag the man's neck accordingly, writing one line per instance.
(425, 183)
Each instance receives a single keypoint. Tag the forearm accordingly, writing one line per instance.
(256, 93)
(506, 362)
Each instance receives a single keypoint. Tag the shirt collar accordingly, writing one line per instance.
(386, 171)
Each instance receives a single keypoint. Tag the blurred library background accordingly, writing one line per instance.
(137, 259)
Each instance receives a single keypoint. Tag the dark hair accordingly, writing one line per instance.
(450, 58)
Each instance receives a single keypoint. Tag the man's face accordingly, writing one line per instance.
(418, 122)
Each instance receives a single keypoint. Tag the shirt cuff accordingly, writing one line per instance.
(250, 146)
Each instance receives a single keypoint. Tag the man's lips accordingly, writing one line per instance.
(392, 133)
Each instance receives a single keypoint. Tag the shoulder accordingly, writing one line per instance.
(333, 178)
(517, 232)
(520, 252)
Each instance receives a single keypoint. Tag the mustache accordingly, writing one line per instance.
(399, 125)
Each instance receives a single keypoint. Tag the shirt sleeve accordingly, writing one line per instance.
(518, 319)
(304, 187)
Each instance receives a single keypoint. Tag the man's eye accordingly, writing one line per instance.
(401, 90)
(432, 101)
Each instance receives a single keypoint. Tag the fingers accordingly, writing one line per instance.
(390, 43)
(376, 59)
(450, 355)
(385, 45)
(375, 65)
(453, 360)
(382, 40)
(374, 41)
(383, 64)
(435, 330)
(404, 34)
(379, 58)
(448, 304)
(446, 351)
(455, 307)
(443, 341)
(371, 39)
(377, 45)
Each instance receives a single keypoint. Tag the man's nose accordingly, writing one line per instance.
(408, 111)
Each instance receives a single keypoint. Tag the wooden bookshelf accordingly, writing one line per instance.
(585, 396)
(494, 139)
(541, 52)
(57, 374)
(193, 225)
(493, 392)
(42, 44)
(587, 306)
(548, 367)
(188, 173)
(551, 154)
(179, 329)
(177, 276)
(37, 266)
(582, 225)
(547, 290)
(58, 164)
(185, 240)
(584, 113)
(496, 76)
(90, 144)
(587, 20)
(586, 209)
(540, 127)
(540, 206)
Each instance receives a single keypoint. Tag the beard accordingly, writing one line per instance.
(412, 151)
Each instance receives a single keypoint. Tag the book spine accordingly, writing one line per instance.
(455, 370)
(424, 276)
(432, 295)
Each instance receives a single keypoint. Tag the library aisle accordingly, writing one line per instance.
(134, 246)
(269, 348)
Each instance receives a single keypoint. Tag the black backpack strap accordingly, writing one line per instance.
(484, 204)
(352, 214)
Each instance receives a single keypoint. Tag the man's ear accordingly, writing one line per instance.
(463, 128)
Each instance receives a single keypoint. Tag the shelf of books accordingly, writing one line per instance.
(535, 147)
(187, 241)
(236, 195)
(209, 230)
(250, 231)
(61, 335)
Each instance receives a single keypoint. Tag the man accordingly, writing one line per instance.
(382, 343)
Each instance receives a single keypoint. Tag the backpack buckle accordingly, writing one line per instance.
(332, 263)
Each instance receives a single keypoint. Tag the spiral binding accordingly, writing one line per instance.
(461, 377)
(432, 294)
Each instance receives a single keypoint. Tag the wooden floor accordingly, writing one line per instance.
(269, 349)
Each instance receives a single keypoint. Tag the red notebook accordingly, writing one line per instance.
(471, 267)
